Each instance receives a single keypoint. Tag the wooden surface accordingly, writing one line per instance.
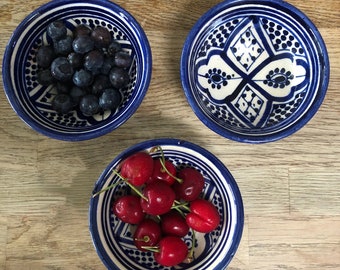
(291, 188)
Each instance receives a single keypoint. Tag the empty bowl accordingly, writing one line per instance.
(113, 239)
(254, 71)
(32, 101)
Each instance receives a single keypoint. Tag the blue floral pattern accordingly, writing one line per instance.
(252, 65)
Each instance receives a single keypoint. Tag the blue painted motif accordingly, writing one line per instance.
(254, 71)
(249, 72)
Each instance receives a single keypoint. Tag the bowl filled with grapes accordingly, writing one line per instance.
(166, 204)
(77, 70)
(254, 71)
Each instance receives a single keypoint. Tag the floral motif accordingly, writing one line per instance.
(220, 81)
(279, 78)
(247, 49)
(250, 64)
(217, 78)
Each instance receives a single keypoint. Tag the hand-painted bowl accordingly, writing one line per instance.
(32, 102)
(113, 239)
(254, 71)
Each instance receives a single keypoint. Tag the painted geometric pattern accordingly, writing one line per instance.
(249, 67)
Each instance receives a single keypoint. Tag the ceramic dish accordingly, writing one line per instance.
(32, 102)
(113, 238)
(254, 71)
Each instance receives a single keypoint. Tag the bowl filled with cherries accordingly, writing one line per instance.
(166, 204)
(76, 70)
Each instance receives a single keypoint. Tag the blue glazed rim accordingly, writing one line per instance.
(230, 181)
(321, 55)
(107, 127)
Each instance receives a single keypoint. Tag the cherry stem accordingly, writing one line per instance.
(178, 205)
(131, 186)
(144, 239)
(105, 189)
(162, 161)
(152, 249)
(192, 249)
(158, 148)
(126, 181)
(179, 180)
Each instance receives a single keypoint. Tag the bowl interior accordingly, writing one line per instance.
(32, 101)
(113, 239)
(254, 70)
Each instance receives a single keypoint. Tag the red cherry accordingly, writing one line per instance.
(192, 185)
(147, 234)
(203, 216)
(160, 174)
(128, 209)
(173, 223)
(172, 251)
(160, 198)
(137, 168)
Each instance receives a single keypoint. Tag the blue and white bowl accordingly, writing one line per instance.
(32, 102)
(113, 238)
(254, 70)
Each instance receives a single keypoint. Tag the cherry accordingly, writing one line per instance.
(172, 251)
(173, 223)
(159, 198)
(147, 234)
(203, 216)
(160, 174)
(137, 168)
(128, 209)
(192, 184)
(155, 183)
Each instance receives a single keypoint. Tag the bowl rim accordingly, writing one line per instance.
(140, 146)
(145, 49)
(254, 139)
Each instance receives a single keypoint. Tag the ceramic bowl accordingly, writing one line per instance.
(32, 102)
(113, 239)
(254, 71)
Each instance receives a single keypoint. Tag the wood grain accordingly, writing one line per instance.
(290, 188)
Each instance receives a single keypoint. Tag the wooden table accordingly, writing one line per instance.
(290, 188)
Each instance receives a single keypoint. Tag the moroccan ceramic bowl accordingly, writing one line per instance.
(32, 102)
(254, 71)
(113, 238)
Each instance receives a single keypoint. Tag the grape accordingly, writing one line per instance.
(110, 99)
(63, 87)
(76, 94)
(101, 37)
(56, 30)
(45, 56)
(87, 67)
(61, 69)
(94, 60)
(122, 59)
(107, 65)
(82, 78)
(75, 59)
(119, 77)
(82, 30)
(114, 47)
(44, 77)
(82, 44)
(89, 105)
(100, 83)
(62, 103)
(63, 46)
